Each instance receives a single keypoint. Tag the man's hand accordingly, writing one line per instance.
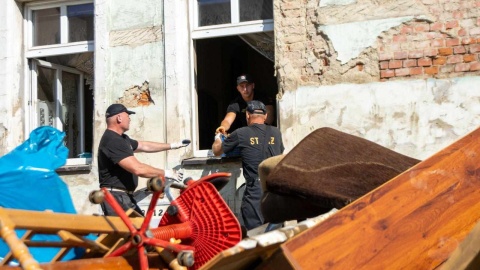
(220, 129)
(174, 175)
(183, 143)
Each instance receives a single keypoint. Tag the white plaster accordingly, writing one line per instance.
(11, 77)
(417, 118)
(325, 3)
(350, 39)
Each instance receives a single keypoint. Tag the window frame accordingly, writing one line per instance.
(64, 47)
(31, 62)
(201, 32)
(235, 27)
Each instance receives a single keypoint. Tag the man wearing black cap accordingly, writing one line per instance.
(118, 169)
(235, 117)
(256, 142)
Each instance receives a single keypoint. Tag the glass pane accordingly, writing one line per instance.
(45, 96)
(80, 22)
(46, 26)
(212, 12)
(69, 113)
(252, 10)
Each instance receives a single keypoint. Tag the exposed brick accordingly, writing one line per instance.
(462, 32)
(475, 31)
(436, 26)
(424, 62)
(387, 73)
(409, 63)
(430, 52)
(462, 67)
(474, 66)
(439, 61)
(451, 24)
(400, 55)
(438, 42)
(395, 64)
(474, 48)
(431, 35)
(469, 58)
(415, 54)
(452, 42)
(458, 14)
(406, 29)
(384, 56)
(431, 70)
(399, 38)
(469, 40)
(454, 59)
(459, 50)
(402, 72)
(445, 51)
(447, 69)
(383, 64)
(423, 27)
(416, 71)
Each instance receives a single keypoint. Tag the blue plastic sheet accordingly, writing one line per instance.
(28, 181)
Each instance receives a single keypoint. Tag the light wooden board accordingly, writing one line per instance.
(414, 221)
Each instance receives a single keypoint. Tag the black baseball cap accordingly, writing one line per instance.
(244, 78)
(256, 107)
(115, 109)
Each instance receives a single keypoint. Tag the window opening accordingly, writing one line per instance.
(60, 52)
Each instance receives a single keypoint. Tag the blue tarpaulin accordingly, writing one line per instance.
(28, 181)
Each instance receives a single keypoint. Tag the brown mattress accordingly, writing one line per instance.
(329, 168)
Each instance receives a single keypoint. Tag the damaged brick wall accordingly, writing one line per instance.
(136, 95)
(316, 40)
(446, 47)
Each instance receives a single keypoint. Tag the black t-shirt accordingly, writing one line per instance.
(250, 141)
(112, 149)
(239, 107)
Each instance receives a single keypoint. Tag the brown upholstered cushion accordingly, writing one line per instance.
(330, 168)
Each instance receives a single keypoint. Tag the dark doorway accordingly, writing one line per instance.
(219, 62)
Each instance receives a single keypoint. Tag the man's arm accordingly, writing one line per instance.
(152, 147)
(217, 145)
(133, 165)
(270, 114)
(226, 123)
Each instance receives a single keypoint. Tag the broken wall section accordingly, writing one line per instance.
(360, 41)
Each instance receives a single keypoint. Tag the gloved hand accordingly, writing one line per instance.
(183, 143)
(174, 175)
(220, 129)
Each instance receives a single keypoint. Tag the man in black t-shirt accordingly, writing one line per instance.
(235, 117)
(118, 169)
(256, 142)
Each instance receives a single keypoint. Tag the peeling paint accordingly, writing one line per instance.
(137, 95)
(361, 35)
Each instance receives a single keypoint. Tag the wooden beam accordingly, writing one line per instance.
(51, 223)
(414, 221)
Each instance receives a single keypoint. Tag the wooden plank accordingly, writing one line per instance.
(414, 221)
(51, 223)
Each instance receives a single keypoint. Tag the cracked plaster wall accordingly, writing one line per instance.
(11, 77)
(332, 57)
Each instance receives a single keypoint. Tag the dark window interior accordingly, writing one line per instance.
(219, 62)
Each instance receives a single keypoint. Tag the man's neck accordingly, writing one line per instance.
(117, 130)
